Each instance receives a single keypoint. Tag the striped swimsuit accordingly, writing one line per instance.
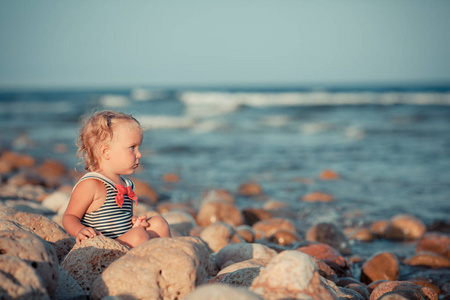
(111, 220)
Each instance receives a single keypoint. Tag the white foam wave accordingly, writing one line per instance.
(114, 101)
(165, 122)
(225, 102)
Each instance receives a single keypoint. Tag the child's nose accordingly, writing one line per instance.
(138, 154)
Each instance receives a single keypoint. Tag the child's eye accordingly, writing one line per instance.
(132, 147)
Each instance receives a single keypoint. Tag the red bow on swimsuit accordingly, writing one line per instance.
(122, 191)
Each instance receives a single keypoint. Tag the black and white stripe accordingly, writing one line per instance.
(110, 219)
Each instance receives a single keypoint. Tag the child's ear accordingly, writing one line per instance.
(104, 151)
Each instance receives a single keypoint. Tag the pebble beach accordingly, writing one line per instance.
(287, 214)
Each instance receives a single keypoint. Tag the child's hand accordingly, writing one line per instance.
(140, 221)
(86, 233)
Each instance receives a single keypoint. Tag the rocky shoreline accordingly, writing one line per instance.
(218, 251)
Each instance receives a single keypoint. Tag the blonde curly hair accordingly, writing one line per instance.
(97, 130)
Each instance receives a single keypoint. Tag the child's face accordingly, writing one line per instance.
(123, 150)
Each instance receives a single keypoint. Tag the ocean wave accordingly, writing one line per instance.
(225, 102)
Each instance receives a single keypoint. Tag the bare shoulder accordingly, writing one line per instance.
(89, 188)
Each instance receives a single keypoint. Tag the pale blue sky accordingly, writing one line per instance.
(150, 43)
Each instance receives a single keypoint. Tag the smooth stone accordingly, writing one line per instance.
(435, 242)
(241, 252)
(250, 189)
(328, 175)
(404, 227)
(253, 215)
(317, 197)
(428, 259)
(284, 237)
(212, 212)
(246, 232)
(292, 274)
(249, 263)
(330, 234)
(381, 266)
(415, 291)
(221, 292)
(266, 228)
(330, 256)
(144, 191)
(179, 221)
(218, 235)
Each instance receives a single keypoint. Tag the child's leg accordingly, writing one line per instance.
(158, 227)
(134, 237)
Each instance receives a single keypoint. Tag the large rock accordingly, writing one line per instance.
(239, 278)
(428, 259)
(330, 256)
(239, 252)
(43, 227)
(219, 235)
(34, 251)
(219, 211)
(19, 280)
(249, 263)
(162, 268)
(221, 292)
(292, 275)
(68, 288)
(86, 261)
(381, 266)
(404, 227)
(410, 290)
(435, 242)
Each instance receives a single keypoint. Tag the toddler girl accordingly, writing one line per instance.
(102, 200)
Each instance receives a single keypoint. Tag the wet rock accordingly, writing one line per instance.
(162, 268)
(426, 283)
(330, 234)
(442, 226)
(317, 197)
(360, 289)
(171, 177)
(241, 252)
(43, 227)
(292, 274)
(179, 221)
(34, 251)
(435, 242)
(253, 215)
(246, 232)
(86, 261)
(350, 294)
(284, 237)
(406, 289)
(266, 228)
(144, 191)
(330, 256)
(428, 259)
(378, 228)
(329, 175)
(221, 292)
(404, 227)
(325, 270)
(250, 189)
(19, 280)
(359, 234)
(218, 235)
(211, 212)
(68, 288)
(218, 196)
(17, 160)
(380, 266)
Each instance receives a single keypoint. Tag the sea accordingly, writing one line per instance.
(389, 145)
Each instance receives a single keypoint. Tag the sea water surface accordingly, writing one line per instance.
(390, 147)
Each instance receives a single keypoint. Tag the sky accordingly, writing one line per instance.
(85, 44)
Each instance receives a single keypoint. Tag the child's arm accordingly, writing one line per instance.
(82, 197)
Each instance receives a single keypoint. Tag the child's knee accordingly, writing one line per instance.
(159, 226)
